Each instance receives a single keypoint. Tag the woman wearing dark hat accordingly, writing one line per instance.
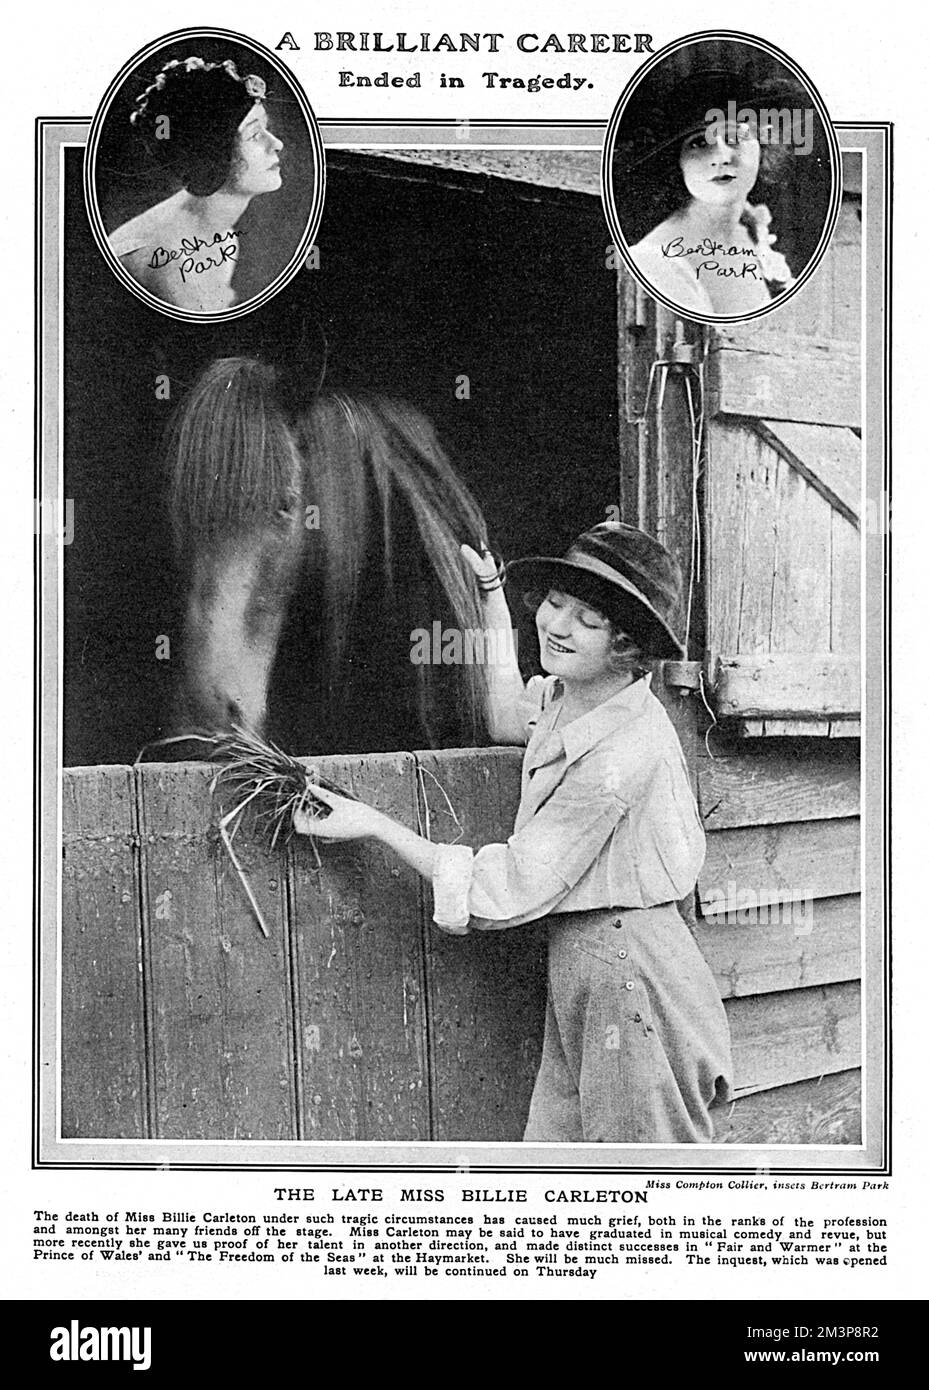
(714, 142)
(607, 840)
(208, 127)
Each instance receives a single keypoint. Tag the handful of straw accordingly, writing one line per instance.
(255, 773)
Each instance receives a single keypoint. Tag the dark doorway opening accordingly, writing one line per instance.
(425, 278)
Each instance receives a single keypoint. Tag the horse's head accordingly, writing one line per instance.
(347, 521)
(235, 477)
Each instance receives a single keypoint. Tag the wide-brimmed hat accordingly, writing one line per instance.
(622, 571)
(657, 126)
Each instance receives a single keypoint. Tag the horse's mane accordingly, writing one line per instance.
(231, 456)
(381, 481)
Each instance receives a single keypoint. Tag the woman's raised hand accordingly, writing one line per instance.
(347, 819)
(504, 682)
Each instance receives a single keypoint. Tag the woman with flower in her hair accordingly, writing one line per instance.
(607, 840)
(208, 128)
(697, 165)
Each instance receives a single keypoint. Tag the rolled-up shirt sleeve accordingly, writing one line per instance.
(451, 884)
(503, 885)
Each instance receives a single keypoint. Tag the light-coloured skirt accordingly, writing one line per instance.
(636, 1047)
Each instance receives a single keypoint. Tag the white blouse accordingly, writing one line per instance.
(606, 818)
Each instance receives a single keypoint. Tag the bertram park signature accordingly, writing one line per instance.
(222, 248)
(745, 267)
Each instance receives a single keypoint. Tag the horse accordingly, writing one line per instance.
(314, 542)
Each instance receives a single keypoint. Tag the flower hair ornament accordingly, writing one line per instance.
(189, 119)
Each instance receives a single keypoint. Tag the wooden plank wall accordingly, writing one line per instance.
(791, 559)
(356, 1019)
(486, 990)
(783, 582)
(220, 1022)
(104, 1065)
(780, 924)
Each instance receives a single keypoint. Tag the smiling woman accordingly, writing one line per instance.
(720, 178)
(607, 840)
(714, 252)
(209, 128)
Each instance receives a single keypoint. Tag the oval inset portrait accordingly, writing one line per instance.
(721, 177)
(204, 175)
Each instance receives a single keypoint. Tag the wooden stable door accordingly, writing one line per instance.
(783, 516)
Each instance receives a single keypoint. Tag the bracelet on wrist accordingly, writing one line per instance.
(489, 582)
